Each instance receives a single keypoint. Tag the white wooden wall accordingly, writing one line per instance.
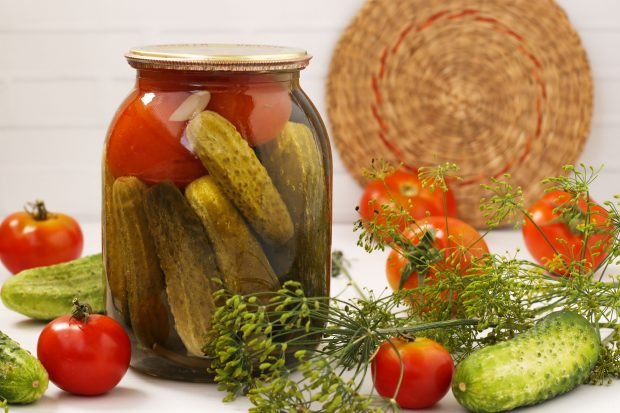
(62, 75)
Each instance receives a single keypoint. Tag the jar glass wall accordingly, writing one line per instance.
(216, 168)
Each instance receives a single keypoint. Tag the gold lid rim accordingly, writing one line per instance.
(180, 57)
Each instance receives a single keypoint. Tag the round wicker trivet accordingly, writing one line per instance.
(496, 87)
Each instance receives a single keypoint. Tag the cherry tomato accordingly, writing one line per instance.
(553, 232)
(258, 109)
(143, 142)
(403, 189)
(36, 238)
(426, 367)
(84, 356)
(452, 245)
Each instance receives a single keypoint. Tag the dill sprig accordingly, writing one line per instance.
(256, 348)
(292, 353)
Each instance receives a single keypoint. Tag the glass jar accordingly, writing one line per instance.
(217, 166)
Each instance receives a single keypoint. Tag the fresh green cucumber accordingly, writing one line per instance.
(23, 378)
(45, 293)
(551, 358)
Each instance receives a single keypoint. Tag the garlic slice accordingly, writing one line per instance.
(193, 105)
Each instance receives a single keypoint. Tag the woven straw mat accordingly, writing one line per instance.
(496, 87)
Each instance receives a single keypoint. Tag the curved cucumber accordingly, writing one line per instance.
(45, 293)
(295, 166)
(22, 377)
(244, 266)
(238, 172)
(552, 358)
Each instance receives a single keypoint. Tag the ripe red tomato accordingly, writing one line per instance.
(258, 109)
(143, 142)
(86, 357)
(403, 189)
(563, 236)
(426, 366)
(454, 244)
(36, 238)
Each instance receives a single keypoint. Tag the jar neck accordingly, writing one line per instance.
(171, 80)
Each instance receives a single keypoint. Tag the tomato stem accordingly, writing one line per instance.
(37, 210)
(81, 311)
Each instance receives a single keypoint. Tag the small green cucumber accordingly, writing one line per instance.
(553, 357)
(236, 169)
(45, 293)
(23, 378)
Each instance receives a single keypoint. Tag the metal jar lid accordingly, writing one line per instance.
(218, 57)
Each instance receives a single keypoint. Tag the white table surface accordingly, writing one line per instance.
(140, 393)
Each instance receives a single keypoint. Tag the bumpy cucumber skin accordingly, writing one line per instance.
(235, 167)
(295, 166)
(552, 358)
(116, 282)
(46, 293)
(187, 260)
(138, 264)
(244, 266)
(23, 378)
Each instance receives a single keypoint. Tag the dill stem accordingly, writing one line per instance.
(427, 326)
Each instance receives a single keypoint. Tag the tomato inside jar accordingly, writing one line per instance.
(217, 174)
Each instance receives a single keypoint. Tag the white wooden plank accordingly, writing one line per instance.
(593, 14)
(55, 102)
(597, 150)
(114, 14)
(74, 190)
(48, 148)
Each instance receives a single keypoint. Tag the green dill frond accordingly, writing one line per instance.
(435, 177)
(504, 205)
(379, 170)
(386, 228)
(608, 366)
(292, 353)
(577, 180)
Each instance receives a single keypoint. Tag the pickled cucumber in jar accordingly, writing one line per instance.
(217, 175)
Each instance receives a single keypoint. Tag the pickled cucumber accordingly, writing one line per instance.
(294, 163)
(244, 267)
(236, 169)
(115, 276)
(137, 259)
(187, 259)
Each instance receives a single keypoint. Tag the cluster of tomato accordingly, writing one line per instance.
(418, 373)
(97, 346)
(149, 144)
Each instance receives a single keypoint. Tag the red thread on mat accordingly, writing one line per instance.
(382, 125)
(487, 20)
(401, 37)
(431, 20)
(382, 60)
(466, 12)
(498, 27)
(376, 90)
